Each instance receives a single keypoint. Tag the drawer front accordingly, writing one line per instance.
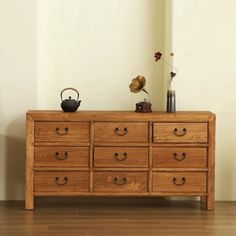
(179, 182)
(180, 132)
(120, 157)
(121, 132)
(62, 131)
(61, 156)
(61, 181)
(120, 182)
(173, 157)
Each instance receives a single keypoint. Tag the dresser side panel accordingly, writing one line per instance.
(29, 164)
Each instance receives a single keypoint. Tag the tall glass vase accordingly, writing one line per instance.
(171, 101)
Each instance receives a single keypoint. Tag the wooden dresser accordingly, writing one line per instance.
(120, 153)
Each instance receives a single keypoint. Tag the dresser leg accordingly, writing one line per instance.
(203, 202)
(29, 203)
(210, 203)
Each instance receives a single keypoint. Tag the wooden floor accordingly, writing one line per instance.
(116, 217)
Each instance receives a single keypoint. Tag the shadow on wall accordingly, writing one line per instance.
(224, 179)
(15, 159)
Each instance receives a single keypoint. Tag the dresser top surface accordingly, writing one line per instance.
(82, 115)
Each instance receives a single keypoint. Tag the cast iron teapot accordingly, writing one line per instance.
(70, 105)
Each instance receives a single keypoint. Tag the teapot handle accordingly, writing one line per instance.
(70, 89)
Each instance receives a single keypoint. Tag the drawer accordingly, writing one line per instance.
(62, 131)
(134, 132)
(178, 157)
(179, 182)
(120, 157)
(61, 156)
(120, 182)
(180, 132)
(61, 181)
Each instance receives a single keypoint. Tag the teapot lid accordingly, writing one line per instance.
(69, 99)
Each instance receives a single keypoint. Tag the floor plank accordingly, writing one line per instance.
(116, 217)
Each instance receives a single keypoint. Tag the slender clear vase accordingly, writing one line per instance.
(171, 100)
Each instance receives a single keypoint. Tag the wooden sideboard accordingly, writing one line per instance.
(120, 153)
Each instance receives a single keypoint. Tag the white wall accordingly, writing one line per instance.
(17, 90)
(98, 47)
(204, 42)
(95, 46)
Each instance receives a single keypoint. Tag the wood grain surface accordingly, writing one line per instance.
(120, 153)
(179, 182)
(180, 132)
(210, 201)
(81, 216)
(120, 182)
(179, 157)
(29, 164)
(61, 156)
(61, 181)
(121, 132)
(158, 116)
(62, 131)
(120, 157)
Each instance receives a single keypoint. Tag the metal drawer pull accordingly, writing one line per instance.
(121, 132)
(60, 182)
(61, 158)
(179, 184)
(116, 156)
(64, 132)
(175, 156)
(179, 133)
(120, 181)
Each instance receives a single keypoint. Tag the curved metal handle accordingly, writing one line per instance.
(116, 156)
(59, 182)
(64, 132)
(63, 90)
(175, 156)
(180, 133)
(121, 132)
(120, 181)
(179, 184)
(61, 158)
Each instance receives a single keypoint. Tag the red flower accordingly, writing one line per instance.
(158, 56)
